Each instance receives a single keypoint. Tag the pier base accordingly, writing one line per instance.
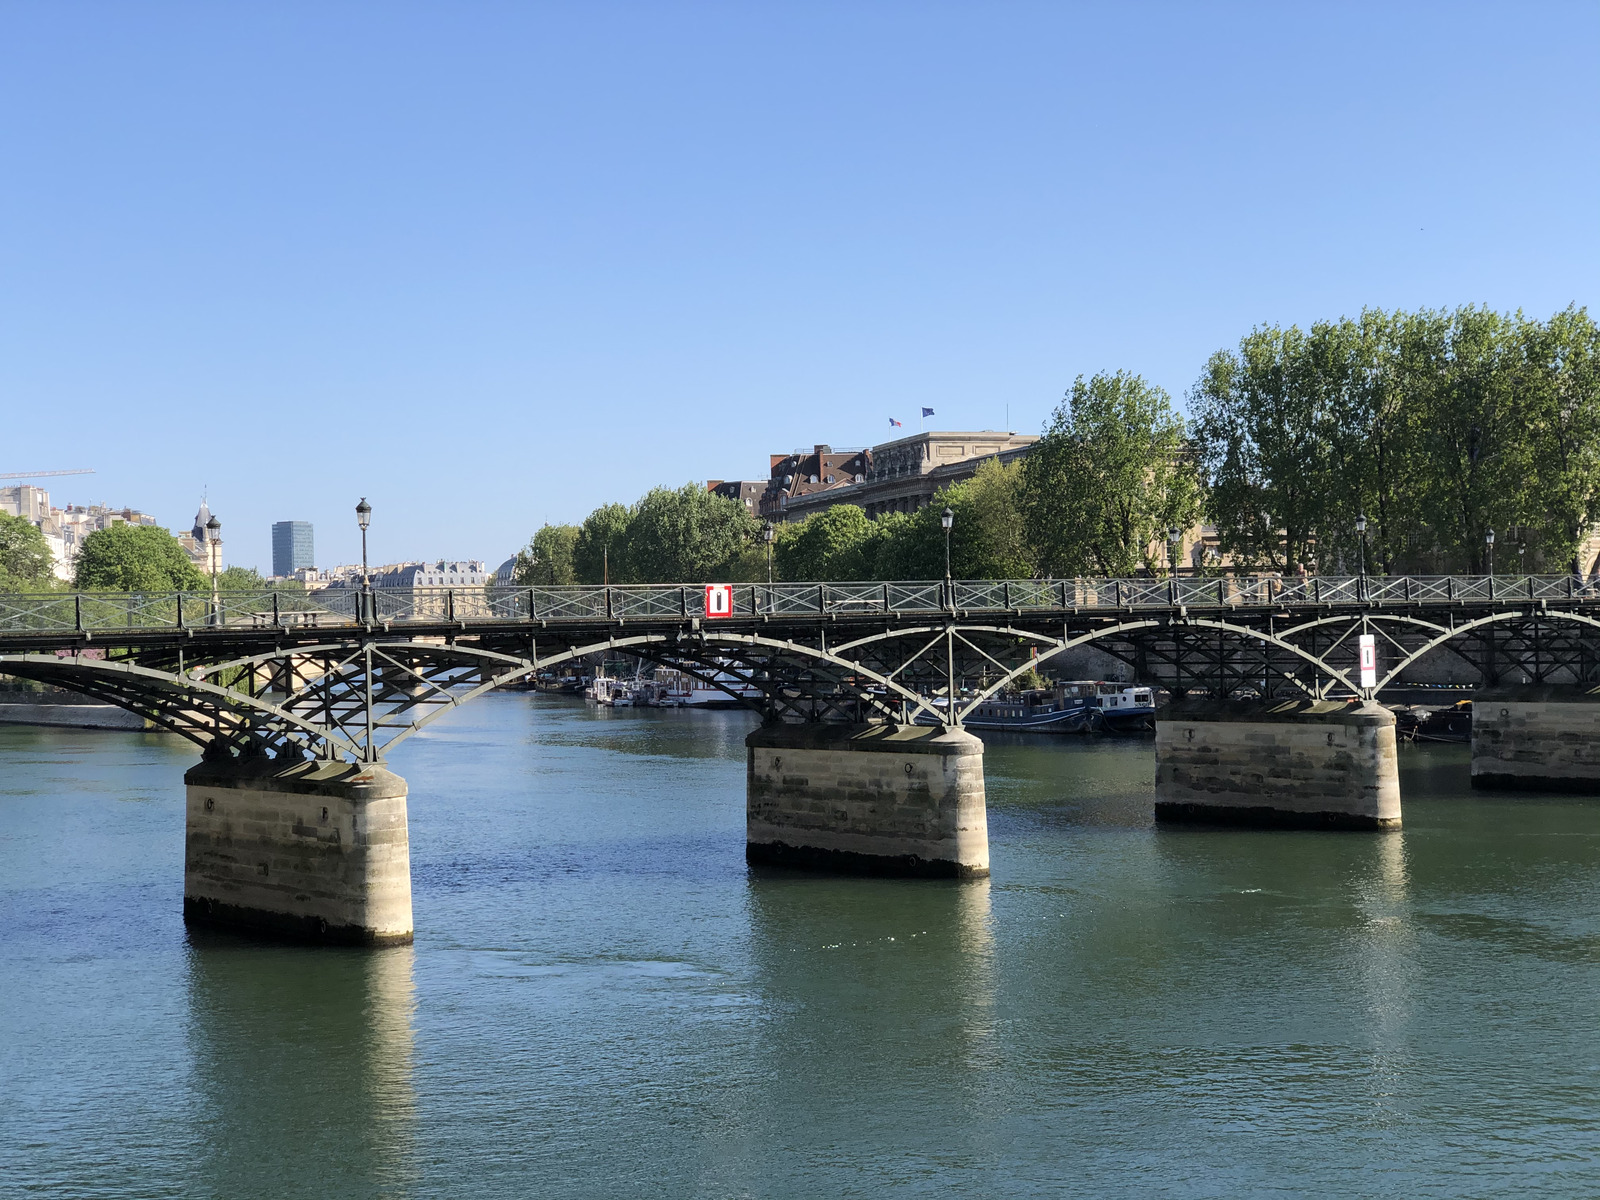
(1532, 738)
(317, 851)
(867, 799)
(1293, 764)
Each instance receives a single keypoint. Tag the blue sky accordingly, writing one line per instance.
(490, 265)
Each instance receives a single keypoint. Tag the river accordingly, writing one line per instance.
(604, 1001)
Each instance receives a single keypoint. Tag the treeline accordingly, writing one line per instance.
(1438, 426)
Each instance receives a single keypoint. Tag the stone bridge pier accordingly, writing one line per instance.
(1286, 763)
(1537, 738)
(318, 850)
(867, 799)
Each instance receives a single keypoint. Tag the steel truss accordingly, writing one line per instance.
(353, 696)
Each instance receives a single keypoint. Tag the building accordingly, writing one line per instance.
(747, 491)
(65, 529)
(292, 547)
(442, 573)
(898, 476)
(204, 550)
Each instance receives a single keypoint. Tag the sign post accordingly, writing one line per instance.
(719, 599)
(1369, 662)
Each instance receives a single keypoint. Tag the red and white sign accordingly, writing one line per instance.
(1369, 660)
(719, 599)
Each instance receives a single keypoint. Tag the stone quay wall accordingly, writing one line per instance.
(1301, 764)
(1534, 738)
(870, 799)
(318, 851)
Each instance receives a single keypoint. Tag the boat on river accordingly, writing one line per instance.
(1075, 706)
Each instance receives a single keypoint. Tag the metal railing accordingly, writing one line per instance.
(342, 608)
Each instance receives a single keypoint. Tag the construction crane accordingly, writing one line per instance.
(43, 474)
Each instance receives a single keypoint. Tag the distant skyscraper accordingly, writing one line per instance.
(291, 547)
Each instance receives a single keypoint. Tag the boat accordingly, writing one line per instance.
(679, 689)
(1123, 708)
(1425, 723)
(1042, 710)
(1073, 706)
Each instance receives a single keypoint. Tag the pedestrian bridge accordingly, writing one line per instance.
(296, 694)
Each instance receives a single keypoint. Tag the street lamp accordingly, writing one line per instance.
(363, 519)
(1488, 540)
(768, 532)
(1361, 528)
(1174, 534)
(213, 537)
(947, 518)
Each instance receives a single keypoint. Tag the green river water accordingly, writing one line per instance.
(604, 1001)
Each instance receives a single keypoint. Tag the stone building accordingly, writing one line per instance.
(898, 476)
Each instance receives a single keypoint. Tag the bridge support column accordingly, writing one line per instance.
(867, 799)
(318, 851)
(1294, 764)
(1536, 738)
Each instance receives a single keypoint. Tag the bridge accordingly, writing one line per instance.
(302, 695)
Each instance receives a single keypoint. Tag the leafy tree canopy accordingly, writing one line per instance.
(1110, 476)
(136, 558)
(25, 559)
(548, 557)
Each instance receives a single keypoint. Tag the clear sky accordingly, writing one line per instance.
(490, 264)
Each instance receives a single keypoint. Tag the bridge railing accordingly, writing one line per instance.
(63, 612)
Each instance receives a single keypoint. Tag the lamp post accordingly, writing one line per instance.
(213, 537)
(1361, 528)
(1522, 558)
(946, 519)
(1174, 536)
(1488, 541)
(363, 519)
(768, 532)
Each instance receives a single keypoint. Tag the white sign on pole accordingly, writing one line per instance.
(719, 599)
(1369, 660)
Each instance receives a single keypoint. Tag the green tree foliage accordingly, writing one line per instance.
(836, 543)
(136, 558)
(1559, 386)
(670, 535)
(1106, 481)
(601, 538)
(687, 534)
(548, 557)
(25, 559)
(989, 538)
(1265, 429)
(1437, 425)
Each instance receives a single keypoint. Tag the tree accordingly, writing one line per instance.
(1474, 451)
(1107, 480)
(599, 551)
(687, 535)
(548, 557)
(1559, 381)
(136, 558)
(25, 559)
(836, 543)
(989, 537)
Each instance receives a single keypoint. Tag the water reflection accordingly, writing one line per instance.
(303, 1062)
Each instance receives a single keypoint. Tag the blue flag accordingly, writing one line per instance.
(927, 412)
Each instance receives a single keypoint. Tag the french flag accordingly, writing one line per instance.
(893, 423)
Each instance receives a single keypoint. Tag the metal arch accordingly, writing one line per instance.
(429, 648)
(735, 639)
(774, 694)
(1480, 623)
(855, 668)
(51, 667)
(1096, 635)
